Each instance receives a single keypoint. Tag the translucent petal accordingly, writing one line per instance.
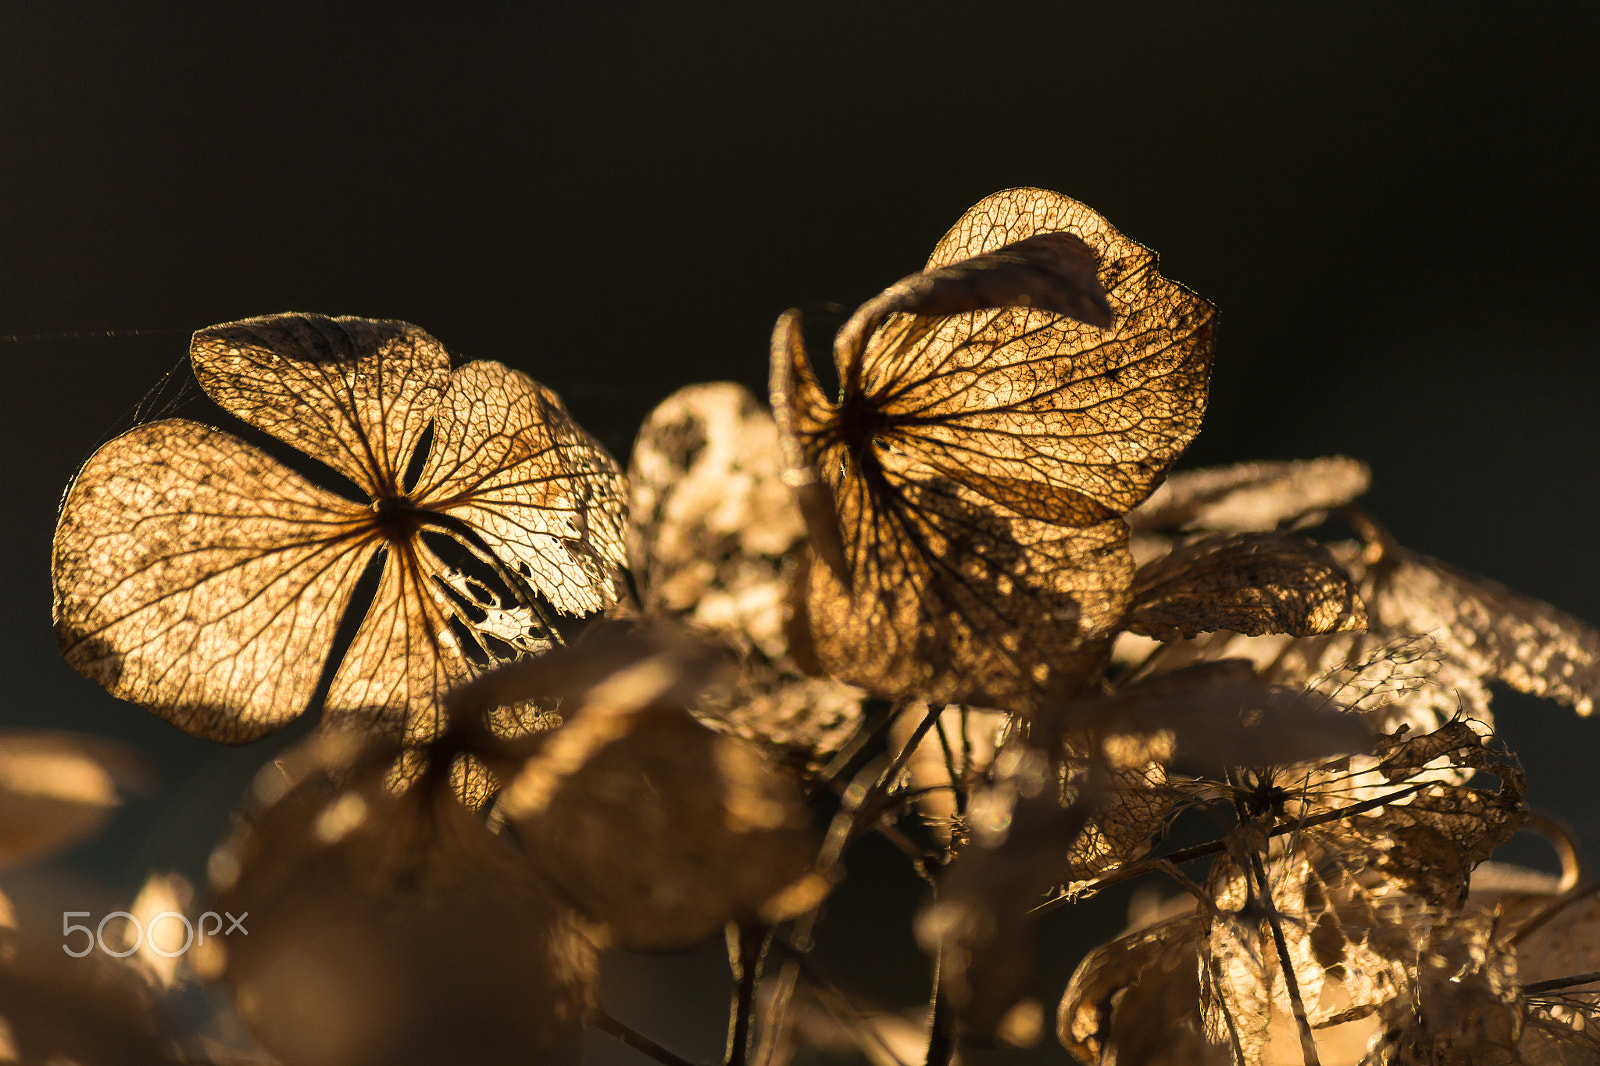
(199, 577)
(354, 393)
(508, 460)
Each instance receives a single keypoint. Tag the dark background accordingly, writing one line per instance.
(1394, 208)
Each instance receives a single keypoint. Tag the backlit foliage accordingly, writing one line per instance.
(960, 600)
(200, 577)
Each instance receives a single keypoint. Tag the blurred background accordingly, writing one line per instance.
(1394, 208)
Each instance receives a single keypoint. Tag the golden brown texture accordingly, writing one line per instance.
(203, 579)
(966, 490)
(1252, 496)
(1249, 583)
(713, 536)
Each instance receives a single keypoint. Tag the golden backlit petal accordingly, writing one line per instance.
(951, 605)
(404, 656)
(354, 393)
(1491, 630)
(545, 497)
(1027, 395)
(200, 578)
(1251, 583)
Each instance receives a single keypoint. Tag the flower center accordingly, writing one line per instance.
(397, 517)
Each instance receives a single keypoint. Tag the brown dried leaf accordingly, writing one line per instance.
(385, 929)
(652, 824)
(712, 537)
(1133, 1001)
(966, 488)
(1494, 632)
(199, 577)
(1220, 713)
(1251, 583)
(1251, 496)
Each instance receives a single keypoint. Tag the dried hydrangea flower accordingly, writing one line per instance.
(714, 534)
(999, 413)
(200, 577)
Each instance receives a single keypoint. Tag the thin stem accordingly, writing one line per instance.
(958, 778)
(746, 944)
(879, 715)
(870, 807)
(941, 1040)
(635, 1039)
(777, 1023)
(1291, 982)
(1262, 889)
(1558, 983)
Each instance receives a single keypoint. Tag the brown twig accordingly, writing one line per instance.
(746, 945)
(1557, 983)
(635, 1039)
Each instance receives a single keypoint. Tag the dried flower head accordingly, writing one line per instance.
(999, 413)
(203, 579)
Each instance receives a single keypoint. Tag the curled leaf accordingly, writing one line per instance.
(1133, 1000)
(198, 576)
(964, 494)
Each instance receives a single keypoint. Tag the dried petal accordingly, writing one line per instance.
(543, 495)
(713, 536)
(1251, 496)
(964, 492)
(1493, 631)
(201, 578)
(384, 929)
(354, 393)
(1251, 583)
